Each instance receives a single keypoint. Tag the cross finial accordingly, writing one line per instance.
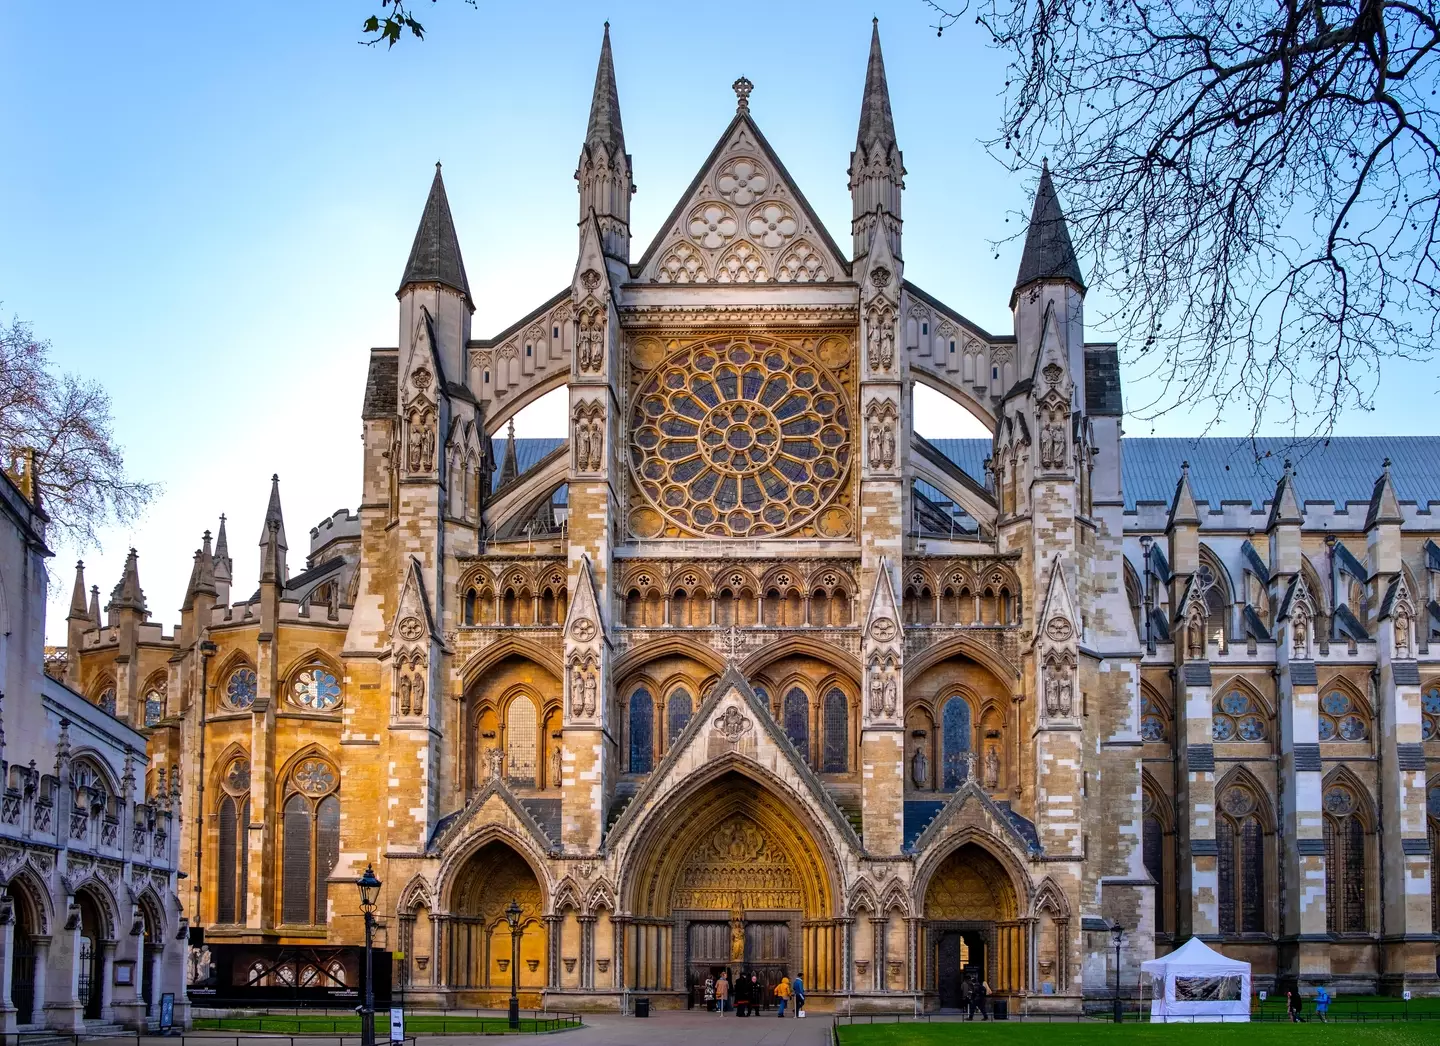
(742, 87)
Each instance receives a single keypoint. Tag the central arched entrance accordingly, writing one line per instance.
(972, 927)
(478, 949)
(731, 879)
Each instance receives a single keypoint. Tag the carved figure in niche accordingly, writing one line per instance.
(589, 439)
(881, 340)
(417, 693)
(892, 693)
(414, 446)
(427, 445)
(584, 687)
(582, 445)
(1195, 640)
(1052, 446)
(1402, 633)
(557, 760)
(877, 692)
(1059, 690)
(495, 759)
(920, 767)
(404, 694)
(992, 767)
(592, 685)
(737, 931)
(1299, 633)
(592, 339)
(881, 441)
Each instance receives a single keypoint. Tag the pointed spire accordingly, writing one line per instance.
(435, 254)
(1182, 506)
(202, 575)
(127, 594)
(510, 468)
(95, 605)
(1285, 505)
(877, 125)
(1384, 504)
(1048, 254)
(272, 538)
(604, 123)
(222, 551)
(77, 597)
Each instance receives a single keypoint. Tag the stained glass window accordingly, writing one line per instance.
(106, 700)
(1237, 718)
(1340, 719)
(797, 721)
(1430, 720)
(316, 688)
(1344, 862)
(677, 714)
(522, 736)
(295, 873)
(1154, 844)
(642, 730)
(743, 437)
(1152, 720)
(1240, 843)
(955, 721)
(240, 688)
(154, 707)
(1225, 869)
(837, 733)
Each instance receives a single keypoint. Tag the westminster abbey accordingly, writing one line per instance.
(747, 673)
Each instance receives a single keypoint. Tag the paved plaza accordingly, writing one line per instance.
(700, 1029)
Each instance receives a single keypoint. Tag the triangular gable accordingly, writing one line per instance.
(413, 602)
(1059, 605)
(990, 817)
(591, 275)
(583, 605)
(733, 722)
(494, 791)
(742, 220)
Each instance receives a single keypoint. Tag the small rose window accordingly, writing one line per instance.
(1235, 719)
(240, 688)
(772, 225)
(742, 182)
(316, 688)
(1430, 721)
(1340, 720)
(713, 226)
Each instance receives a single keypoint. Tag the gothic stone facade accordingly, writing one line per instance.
(747, 672)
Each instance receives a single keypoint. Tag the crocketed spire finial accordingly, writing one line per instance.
(742, 87)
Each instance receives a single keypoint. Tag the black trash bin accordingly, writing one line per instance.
(642, 1007)
(1002, 1010)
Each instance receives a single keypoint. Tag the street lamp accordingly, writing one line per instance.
(512, 916)
(1119, 932)
(369, 894)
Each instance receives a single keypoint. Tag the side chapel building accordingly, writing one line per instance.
(747, 672)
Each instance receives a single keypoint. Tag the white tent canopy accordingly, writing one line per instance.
(1197, 983)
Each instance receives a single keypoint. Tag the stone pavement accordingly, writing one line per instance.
(697, 1029)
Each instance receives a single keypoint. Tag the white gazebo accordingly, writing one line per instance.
(1197, 983)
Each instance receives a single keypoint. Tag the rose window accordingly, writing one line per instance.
(240, 690)
(1338, 719)
(740, 437)
(772, 225)
(314, 777)
(316, 688)
(713, 226)
(1152, 720)
(741, 182)
(1235, 719)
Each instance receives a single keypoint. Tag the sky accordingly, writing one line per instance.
(207, 207)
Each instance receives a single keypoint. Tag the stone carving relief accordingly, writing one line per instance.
(992, 767)
(557, 763)
(411, 629)
(920, 768)
(1052, 446)
(732, 724)
(584, 687)
(883, 687)
(713, 225)
(738, 867)
(880, 335)
(743, 263)
(420, 445)
(590, 342)
(881, 421)
(802, 263)
(771, 225)
(742, 181)
(495, 761)
(589, 437)
(410, 676)
(1059, 682)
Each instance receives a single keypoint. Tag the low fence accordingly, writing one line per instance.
(1356, 1014)
(308, 1023)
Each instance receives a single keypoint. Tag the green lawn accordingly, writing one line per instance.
(1087, 1033)
(416, 1024)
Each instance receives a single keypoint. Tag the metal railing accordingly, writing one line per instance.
(343, 1023)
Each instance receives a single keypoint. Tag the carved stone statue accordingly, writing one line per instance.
(557, 761)
(920, 767)
(413, 461)
(427, 445)
(892, 693)
(404, 693)
(1402, 634)
(417, 692)
(1052, 446)
(992, 767)
(495, 759)
(592, 686)
(877, 692)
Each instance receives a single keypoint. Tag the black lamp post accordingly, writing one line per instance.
(512, 916)
(1119, 933)
(369, 894)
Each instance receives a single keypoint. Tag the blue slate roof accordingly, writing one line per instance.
(1222, 468)
(528, 453)
(918, 815)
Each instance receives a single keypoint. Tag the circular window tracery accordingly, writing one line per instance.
(1430, 721)
(1340, 720)
(1235, 719)
(240, 689)
(740, 437)
(316, 688)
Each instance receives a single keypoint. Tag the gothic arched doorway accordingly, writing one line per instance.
(972, 928)
(730, 877)
(22, 954)
(91, 959)
(477, 938)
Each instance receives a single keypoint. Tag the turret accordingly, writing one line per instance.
(224, 566)
(877, 169)
(435, 285)
(511, 466)
(1286, 518)
(604, 172)
(77, 623)
(273, 568)
(127, 596)
(199, 593)
(1049, 276)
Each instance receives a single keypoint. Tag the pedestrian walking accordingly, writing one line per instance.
(742, 995)
(757, 994)
(782, 992)
(984, 1000)
(965, 998)
(722, 991)
(797, 988)
(1322, 1003)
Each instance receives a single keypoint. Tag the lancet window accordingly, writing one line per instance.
(955, 742)
(233, 846)
(677, 714)
(837, 733)
(1153, 720)
(1345, 862)
(310, 840)
(522, 740)
(796, 715)
(642, 731)
(1240, 842)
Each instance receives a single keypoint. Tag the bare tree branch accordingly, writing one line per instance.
(66, 420)
(1256, 186)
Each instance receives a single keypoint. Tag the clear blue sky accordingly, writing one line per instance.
(210, 214)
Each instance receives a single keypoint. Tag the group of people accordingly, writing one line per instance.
(1295, 1004)
(974, 994)
(748, 994)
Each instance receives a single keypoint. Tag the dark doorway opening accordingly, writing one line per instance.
(22, 967)
(92, 957)
(960, 960)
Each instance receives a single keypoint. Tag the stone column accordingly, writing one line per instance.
(1198, 882)
(587, 951)
(42, 959)
(7, 953)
